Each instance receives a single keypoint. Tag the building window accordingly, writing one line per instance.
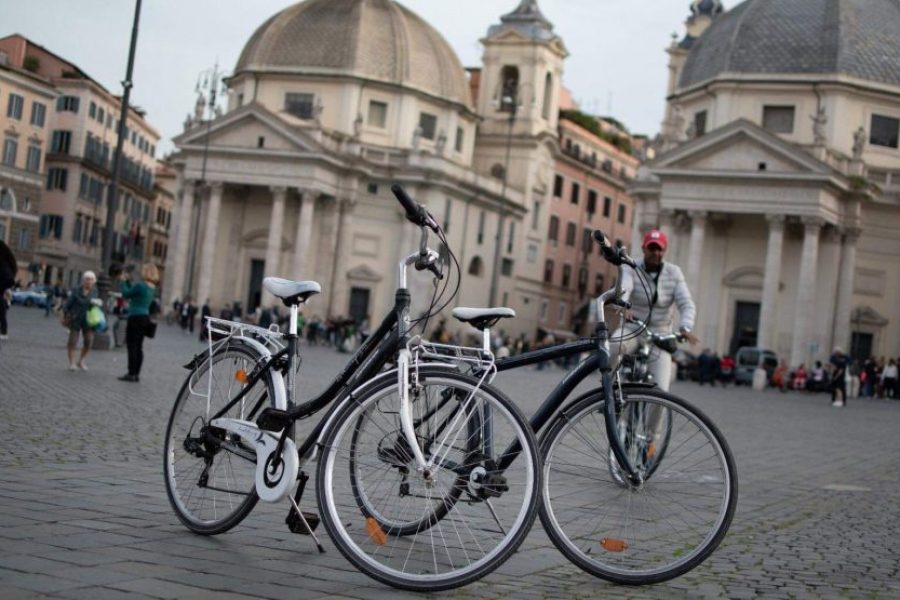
(548, 271)
(586, 241)
(427, 125)
(92, 110)
(33, 160)
(566, 275)
(51, 226)
(101, 115)
(778, 119)
(10, 149)
(621, 218)
(15, 106)
(448, 206)
(261, 141)
(576, 191)
(76, 230)
(548, 96)
(700, 123)
(67, 103)
(884, 131)
(6, 200)
(481, 218)
(592, 204)
(60, 142)
(38, 114)
(532, 253)
(553, 232)
(2, 231)
(506, 268)
(476, 266)
(460, 140)
(598, 284)
(535, 215)
(512, 235)
(377, 114)
(509, 77)
(24, 239)
(558, 182)
(607, 207)
(57, 178)
(544, 307)
(582, 279)
(570, 234)
(563, 309)
(299, 105)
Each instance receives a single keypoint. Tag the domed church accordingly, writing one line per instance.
(779, 180)
(329, 103)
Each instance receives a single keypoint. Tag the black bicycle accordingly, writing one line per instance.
(639, 486)
(409, 485)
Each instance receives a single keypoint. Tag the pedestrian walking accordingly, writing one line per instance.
(889, 379)
(839, 374)
(74, 317)
(139, 295)
(8, 268)
(205, 311)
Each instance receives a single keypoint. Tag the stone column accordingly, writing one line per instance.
(768, 316)
(210, 233)
(340, 295)
(803, 310)
(273, 248)
(845, 290)
(667, 223)
(695, 250)
(301, 264)
(183, 219)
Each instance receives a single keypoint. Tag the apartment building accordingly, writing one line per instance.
(25, 101)
(82, 126)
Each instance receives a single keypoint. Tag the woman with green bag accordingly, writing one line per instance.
(139, 295)
(75, 310)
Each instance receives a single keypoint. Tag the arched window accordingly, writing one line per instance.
(509, 88)
(476, 267)
(548, 96)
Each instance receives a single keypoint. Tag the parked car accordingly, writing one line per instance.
(35, 295)
(688, 365)
(748, 358)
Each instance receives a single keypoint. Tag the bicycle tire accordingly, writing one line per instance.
(187, 414)
(405, 561)
(625, 534)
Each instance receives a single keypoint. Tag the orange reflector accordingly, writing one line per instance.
(651, 450)
(613, 545)
(375, 532)
(241, 375)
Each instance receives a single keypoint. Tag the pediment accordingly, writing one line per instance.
(243, 128)
(866, 315)
(363, 273)
(746, 278)
(740, 146)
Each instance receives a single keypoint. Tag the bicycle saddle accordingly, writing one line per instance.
(291, 292)
(481, 318)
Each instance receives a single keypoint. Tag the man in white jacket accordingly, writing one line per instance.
(660, 288)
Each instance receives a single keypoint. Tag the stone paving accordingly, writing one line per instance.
(83, 511)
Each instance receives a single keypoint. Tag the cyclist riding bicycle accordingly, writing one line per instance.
(660, 285)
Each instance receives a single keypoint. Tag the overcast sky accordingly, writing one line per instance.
(617, 62)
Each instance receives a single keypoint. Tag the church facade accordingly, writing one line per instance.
(779, 184)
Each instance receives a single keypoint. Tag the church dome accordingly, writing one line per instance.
(857, 38)
(378, 40)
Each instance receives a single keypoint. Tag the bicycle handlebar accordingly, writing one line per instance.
(415, 212)
(615, 255)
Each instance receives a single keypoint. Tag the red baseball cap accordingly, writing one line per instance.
(655, 236)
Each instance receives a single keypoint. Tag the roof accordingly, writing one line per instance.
(373, 39)
(859, 38)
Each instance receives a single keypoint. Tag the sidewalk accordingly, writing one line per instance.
(83, 510)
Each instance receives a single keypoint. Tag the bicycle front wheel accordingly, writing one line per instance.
(646, 533)
(429, 531)
(209, 473)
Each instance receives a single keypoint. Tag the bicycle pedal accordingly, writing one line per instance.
(296, 524)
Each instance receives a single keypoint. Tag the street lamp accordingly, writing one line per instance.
(509, 97)
(208, 82)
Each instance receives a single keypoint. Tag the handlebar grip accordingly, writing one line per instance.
(614, 255)
(409, 205)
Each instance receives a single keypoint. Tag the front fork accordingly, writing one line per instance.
(406, 418)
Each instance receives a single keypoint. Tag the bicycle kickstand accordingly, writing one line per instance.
(299, 521)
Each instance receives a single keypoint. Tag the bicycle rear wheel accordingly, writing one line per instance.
(650, 532)
(209, 473)
(428, 535)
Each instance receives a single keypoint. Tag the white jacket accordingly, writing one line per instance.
(671, 289)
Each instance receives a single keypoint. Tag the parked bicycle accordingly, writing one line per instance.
(409, 483)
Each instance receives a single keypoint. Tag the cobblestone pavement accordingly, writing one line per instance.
(83, 511)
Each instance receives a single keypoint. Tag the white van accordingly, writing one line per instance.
(748, 358)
